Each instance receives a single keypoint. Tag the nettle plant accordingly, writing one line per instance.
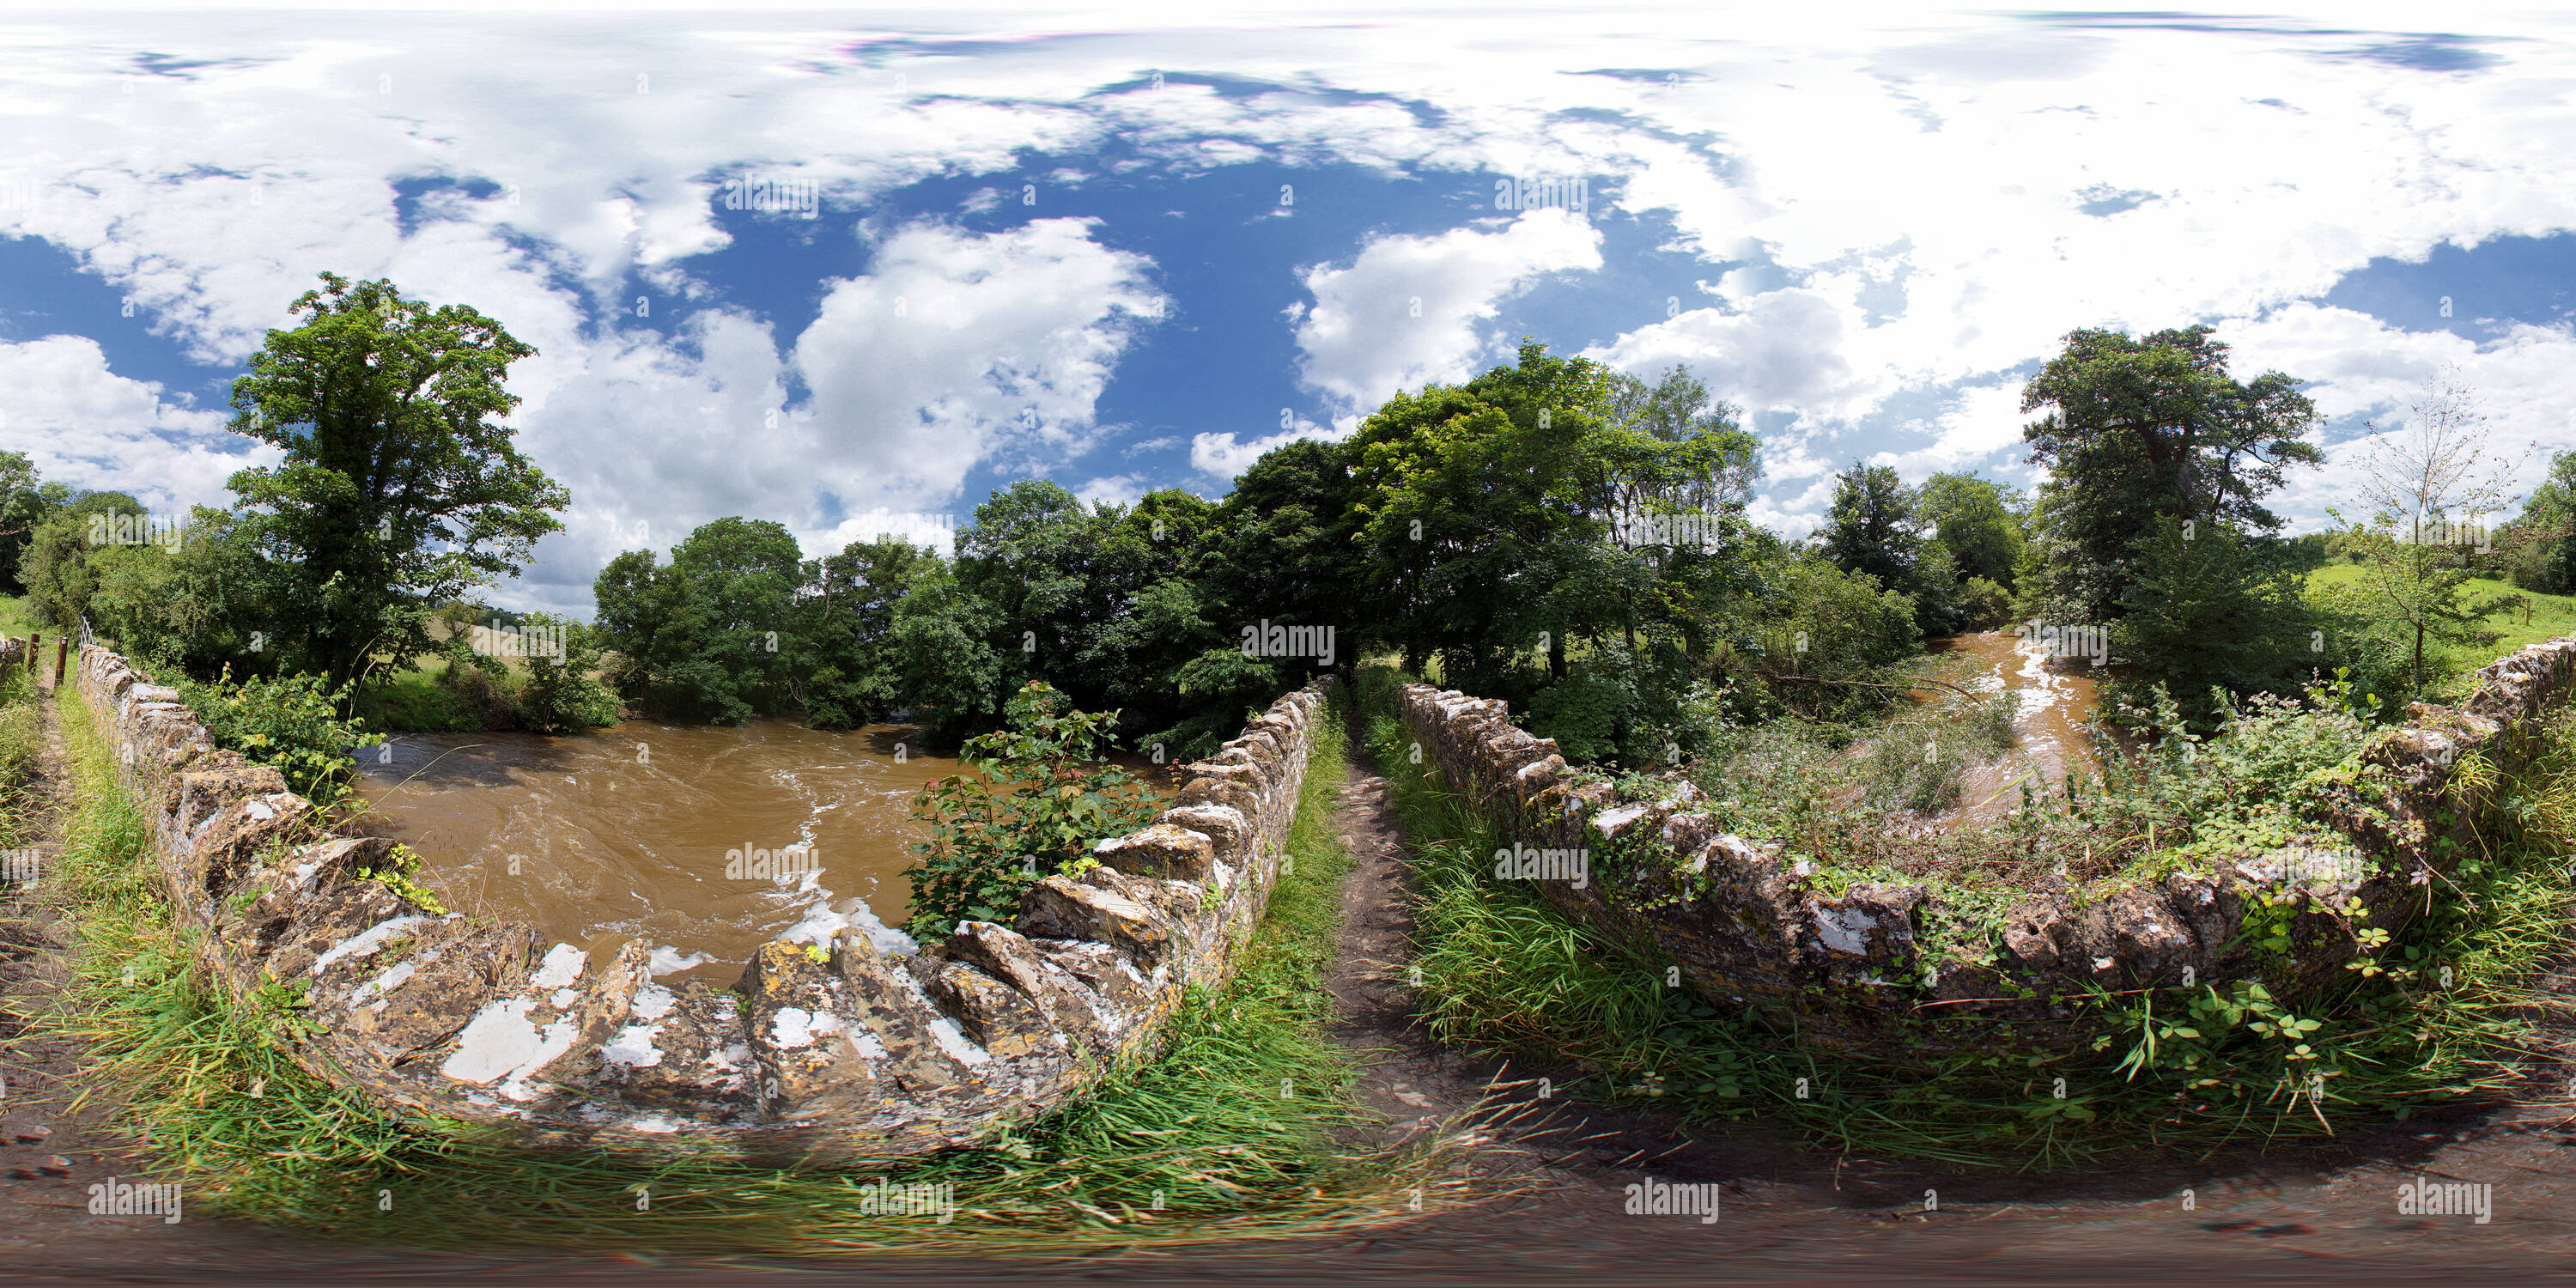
(1035, 800)
(291, 722)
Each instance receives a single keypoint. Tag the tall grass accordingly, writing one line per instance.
(1230, 1133)
(22, 747)
(2197, 1070)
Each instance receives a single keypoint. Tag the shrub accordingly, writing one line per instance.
(291, 722)
(1035, 801)
(1983, 605)
(564, 695)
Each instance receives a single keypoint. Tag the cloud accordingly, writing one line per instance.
(84, 425)
(957, 345)
(1784, 349)
(957, 342)
(1223, 457)
(1900, 209)
(2363, 369)
(1406, 311)
(1984, 422)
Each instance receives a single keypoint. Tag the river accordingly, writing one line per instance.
(2052, 702)
(629, 831)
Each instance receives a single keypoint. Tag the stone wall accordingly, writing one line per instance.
(1852, 969)
(827, 1052)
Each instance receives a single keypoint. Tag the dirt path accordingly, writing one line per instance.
(1557, 1173)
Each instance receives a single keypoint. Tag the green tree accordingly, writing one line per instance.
(846, 663)
(943, 648)
(564, 694)
(2215, 606)
(1979, 520)
(187, 606)
(1281, 544)
(2137, 430)
(712, 635)
(1872, 528)
(2429, 484)
(2539, 552)
(57, 559)
(25, 501)
(400, 489)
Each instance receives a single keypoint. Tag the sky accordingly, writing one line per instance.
(854, 278)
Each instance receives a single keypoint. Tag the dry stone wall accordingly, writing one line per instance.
(827, 1052)
(1854, 969)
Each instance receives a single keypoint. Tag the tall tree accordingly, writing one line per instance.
(1872, 527)
(25, 501)
(400, 489)
(58, 563)
(846, 670)
(714, 634)
(1979, 520)
(2139, 429)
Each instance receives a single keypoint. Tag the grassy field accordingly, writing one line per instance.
(1237, 1130)
(2551, 615)
(17, 616)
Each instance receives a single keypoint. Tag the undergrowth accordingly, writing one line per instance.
(1231, 1132)
(2439, 1014)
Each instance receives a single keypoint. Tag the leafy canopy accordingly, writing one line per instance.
(400, 489)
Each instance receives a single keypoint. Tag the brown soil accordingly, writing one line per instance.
(1556, 1170)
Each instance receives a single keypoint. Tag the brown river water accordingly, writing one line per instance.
(629, 831)
(2053, 700)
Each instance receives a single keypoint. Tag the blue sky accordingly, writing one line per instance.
(1129, 252)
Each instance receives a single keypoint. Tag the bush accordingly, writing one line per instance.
(1617, 706)
(1035, 801)
(1983, 605)
(290, 722)
(564, 695)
